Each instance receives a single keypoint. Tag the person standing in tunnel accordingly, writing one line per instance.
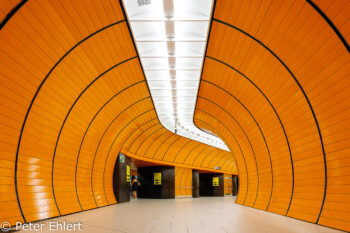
(134, 186)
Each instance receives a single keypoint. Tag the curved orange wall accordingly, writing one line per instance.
(275, 88)
(183, 182)
(152, 142)
(73, 94)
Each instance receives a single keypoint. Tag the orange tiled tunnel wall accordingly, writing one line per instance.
(275, 87)
(183, 181)
(152, 142)
(72, 95)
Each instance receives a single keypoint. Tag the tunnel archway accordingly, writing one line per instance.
(274, 88)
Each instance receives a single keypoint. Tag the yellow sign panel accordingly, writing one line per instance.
(157, 178)
(215, 181)
(127, 173)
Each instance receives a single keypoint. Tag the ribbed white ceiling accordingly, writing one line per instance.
(171, 36)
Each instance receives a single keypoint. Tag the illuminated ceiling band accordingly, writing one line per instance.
(171, 38)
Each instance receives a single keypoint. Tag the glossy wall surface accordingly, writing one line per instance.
(72, 95)
(152, 142)
(183, 182)
(276, 88)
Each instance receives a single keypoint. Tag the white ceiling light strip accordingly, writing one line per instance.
(171, 36)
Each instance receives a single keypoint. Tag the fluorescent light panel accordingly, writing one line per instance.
(170, 36)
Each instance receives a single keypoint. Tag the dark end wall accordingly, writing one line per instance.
(234, 185)
(121, 186)
(206, 187)
(195, 183)
(149, 190)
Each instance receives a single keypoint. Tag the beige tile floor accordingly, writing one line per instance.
(186, 215)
